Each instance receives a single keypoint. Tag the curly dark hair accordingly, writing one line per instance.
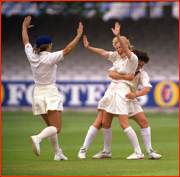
(39, 49)
(143, 56)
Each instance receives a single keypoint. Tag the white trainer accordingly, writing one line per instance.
(153, 155)
(36, 142)
(61, 156)
(82, 153)
(136, 156)
(102, 155)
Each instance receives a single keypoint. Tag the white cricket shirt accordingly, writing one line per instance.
(123, 65)
(43, 66)
(141, 78)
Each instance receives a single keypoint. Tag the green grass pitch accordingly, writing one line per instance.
(18, 159)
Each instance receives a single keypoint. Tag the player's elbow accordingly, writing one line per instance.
(113, 75)
(66, 51)
(25, 41)
(110, 74)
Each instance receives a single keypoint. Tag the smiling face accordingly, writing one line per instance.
(119, 50)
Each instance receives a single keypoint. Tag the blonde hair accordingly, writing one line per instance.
(127, 42)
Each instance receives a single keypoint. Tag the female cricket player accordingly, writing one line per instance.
(47, 101)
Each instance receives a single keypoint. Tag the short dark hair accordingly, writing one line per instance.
(143, 56)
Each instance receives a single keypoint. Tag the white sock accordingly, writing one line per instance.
(133, 138)
(54, 143)
(91, 134)
(107, 134)
(47, 132)
(146, 136)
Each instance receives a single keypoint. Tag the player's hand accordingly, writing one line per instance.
(130, 76)
(86, 43)
(116, 30)
(26, 22)
(80, 30)
(130, 95)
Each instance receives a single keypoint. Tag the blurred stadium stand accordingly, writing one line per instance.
(108, 10)
(158, 37)
(152, 27)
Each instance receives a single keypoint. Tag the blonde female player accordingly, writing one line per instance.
(141, 77)
(47, 101)
(114, 101)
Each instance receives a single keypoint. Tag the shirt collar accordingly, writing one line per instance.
(124, 57)
(44, 52)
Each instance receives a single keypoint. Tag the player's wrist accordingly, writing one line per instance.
(78, 36)
(135, 95)
(24, 27)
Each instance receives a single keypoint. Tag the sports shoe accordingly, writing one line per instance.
(82, 153)
(102, 155)
(60, 156)
(153, 155)
(35, 141)
(136, 156)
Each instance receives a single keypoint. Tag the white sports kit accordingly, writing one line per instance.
(46, 95)
(114, 100)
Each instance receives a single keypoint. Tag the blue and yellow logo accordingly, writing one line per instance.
(166, 94)
(2, 93)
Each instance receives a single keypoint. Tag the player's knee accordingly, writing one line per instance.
(58, 129)
(106, 125)
(124, 125)
(97, 125)
(144, 123)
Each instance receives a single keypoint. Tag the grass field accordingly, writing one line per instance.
(17, 158)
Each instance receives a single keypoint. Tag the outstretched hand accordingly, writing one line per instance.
(26, 22)
(80, 30)
(116, 30)
(86, 43)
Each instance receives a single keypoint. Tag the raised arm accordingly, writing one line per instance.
(98, 51)
(117, 76)
(116, 32)
(25, 26)
(69, 48)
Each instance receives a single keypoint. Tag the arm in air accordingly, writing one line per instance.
(116, 32)
(98, 51)
(25, 26)
(69, 48)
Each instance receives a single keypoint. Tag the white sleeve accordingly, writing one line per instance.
(28, 50)
(113, 56)
(111, 69)
(145, 79)
(55, 57)
(133, 58)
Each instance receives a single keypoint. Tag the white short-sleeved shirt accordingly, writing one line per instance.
(123, 65)
(141, 78)
(43, 66)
